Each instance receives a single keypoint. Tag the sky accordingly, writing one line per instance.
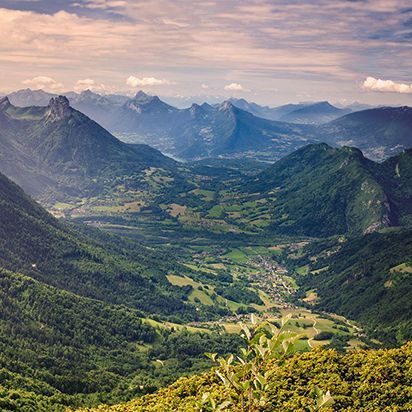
(270, 52)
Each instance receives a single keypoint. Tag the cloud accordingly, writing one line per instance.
(234, 86)
(101, 4)
(386, 86)
(260, 43)
(89, 84)
(170, 22)
(204, 86)
(45, 83)
(133, 81)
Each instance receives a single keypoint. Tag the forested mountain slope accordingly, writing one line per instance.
(367, 279)
(74, 304)
(320, 191)
(35, 244)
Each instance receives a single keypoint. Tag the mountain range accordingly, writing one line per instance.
(57, 148)
(379, 132)
(306, 113)
(237, 128)
(202, 130)
(57, 153)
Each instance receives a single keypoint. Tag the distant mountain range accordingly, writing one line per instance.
(238, 128)
(197, 132)
(304, 113)
(379, 132)
(60, 149)
(316, 113)
(205, 131)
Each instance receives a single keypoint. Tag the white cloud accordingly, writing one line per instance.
(171, 22)
(234, 86)
(386, 86)
(89, 84)
(45, 83)
(133, 81)
(204, 86)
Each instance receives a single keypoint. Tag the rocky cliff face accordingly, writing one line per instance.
(59, 108)
(4, 103)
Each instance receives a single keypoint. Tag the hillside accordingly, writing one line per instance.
(367, 279)
(74, 304)
(358, 381)
(316, 191)
(59, 349)
(102, 268)
(321, 191)
(58, 149)
(379, 132)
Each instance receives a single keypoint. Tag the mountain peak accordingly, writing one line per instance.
(88, 92)
(195, 107)
(227, 105)
(59, 108)
(141, 94)
(143, 98)
(4, 103)
(324, 103)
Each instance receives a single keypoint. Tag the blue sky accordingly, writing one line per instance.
(270, 52)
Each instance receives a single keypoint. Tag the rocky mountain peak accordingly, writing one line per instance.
(4, 103)
(59, 108)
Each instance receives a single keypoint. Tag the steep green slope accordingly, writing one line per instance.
(396, 175)
(367, 279)
(71, 307)
(360, 381)
(58, 349)
(320, 191)
(34, 243)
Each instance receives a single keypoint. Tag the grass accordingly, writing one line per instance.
(176, 326)
(176, 210)
(215, 212)
(237, 255)
(181, 281)
(403, 267)
(206, 195)
(311, 297)
(63, 206)
(302, 270)
(203, 297)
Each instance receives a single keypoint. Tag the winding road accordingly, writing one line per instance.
(316, 332)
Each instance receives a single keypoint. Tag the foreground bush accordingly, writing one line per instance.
(361, 381)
